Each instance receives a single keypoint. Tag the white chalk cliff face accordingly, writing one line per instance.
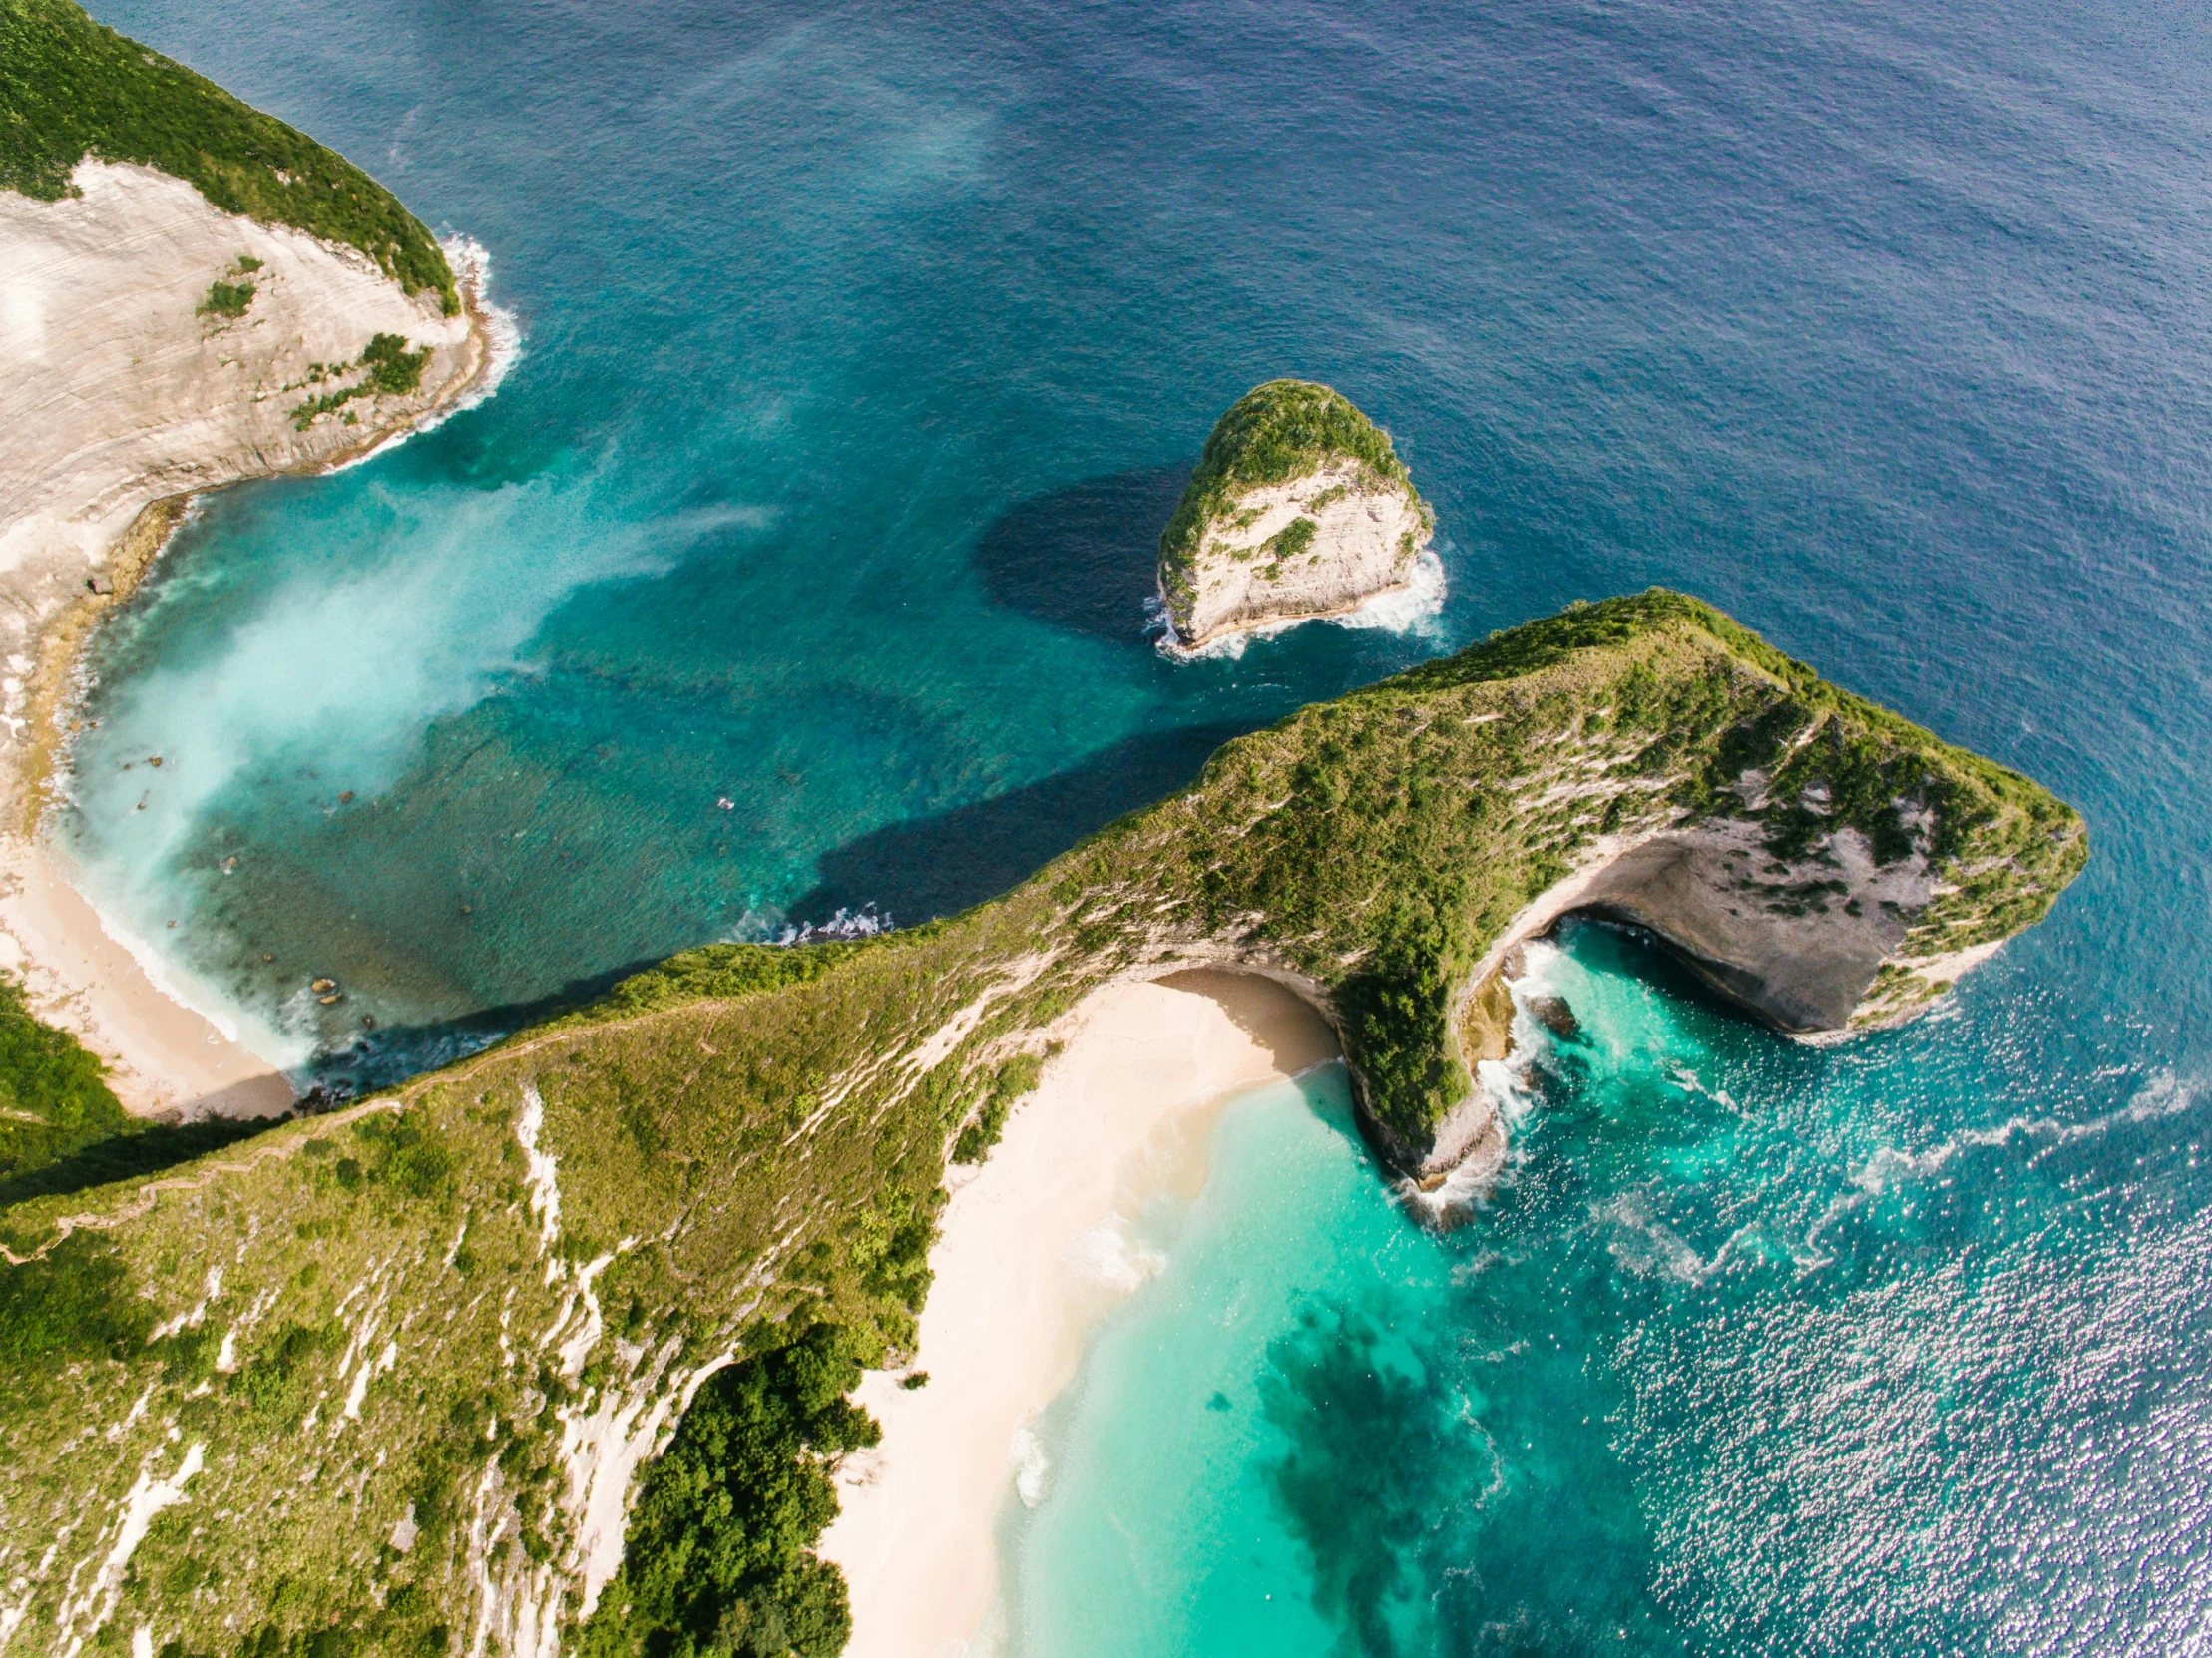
(117, 389)
(122, 390)
(1317, 546)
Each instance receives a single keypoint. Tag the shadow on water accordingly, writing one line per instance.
(938, 866)
(1634, 949)
(396, 1052)
(910, 872)
(1084, 558)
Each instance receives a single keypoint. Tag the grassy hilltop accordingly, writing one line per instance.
(72, 88)
(1275, 432)
(402, 1349)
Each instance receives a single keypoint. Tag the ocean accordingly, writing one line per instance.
(795, 577)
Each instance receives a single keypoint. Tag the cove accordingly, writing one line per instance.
(1717, 1329)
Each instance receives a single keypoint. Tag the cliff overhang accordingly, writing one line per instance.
(1299, 509)
(466, 1312)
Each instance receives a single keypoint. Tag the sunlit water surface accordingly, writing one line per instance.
(865, 351)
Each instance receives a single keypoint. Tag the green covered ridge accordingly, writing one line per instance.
(1275, 432)
(61, 1126)
(378, 1328)
(71, 87)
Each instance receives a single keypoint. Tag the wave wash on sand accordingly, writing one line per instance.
(158, 347)
(736, 1163)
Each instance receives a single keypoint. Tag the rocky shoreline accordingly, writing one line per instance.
(1299, 510)
(115, 421)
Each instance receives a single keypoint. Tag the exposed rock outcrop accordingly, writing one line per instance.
(1300, 508)
(156, 345)
(152, 346)
(1817, 944)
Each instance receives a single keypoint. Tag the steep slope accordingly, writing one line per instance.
(71, 88)
(391, 1374)
(1299, 508)
(196, 293)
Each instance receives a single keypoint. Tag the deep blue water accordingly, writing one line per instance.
(863, 351)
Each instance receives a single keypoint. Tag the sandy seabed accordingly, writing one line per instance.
(1024, 1267)
(120, 393)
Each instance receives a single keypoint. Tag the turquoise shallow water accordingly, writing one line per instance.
(863, 351)
(1751, 1347)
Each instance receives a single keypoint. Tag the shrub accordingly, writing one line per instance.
(718, 1558)
(71, 88)
(226, 299)
(1273, 433)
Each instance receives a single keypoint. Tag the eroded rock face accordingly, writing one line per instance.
(1815, 947)
(1796, 944)
(1317, 546)
(1299, 509)
(126, 380)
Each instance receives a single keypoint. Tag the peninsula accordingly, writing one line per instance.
(197, 294)
(1299, 509)
(549, 1350)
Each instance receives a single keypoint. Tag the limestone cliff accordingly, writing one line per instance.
(1299, 508)
(395, 1369)
(158, 345)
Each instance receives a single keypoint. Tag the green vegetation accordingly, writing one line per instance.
(718, 1558)
(1288, 542)
(61, 1130)
(428, 1321)
(1018, 1077)
(69, 88)
(71, 1304)
(1275, 432)
(226, 298)
(54, 1095)
(231, 299)
(386, 366)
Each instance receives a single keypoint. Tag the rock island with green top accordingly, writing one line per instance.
(1300, 508)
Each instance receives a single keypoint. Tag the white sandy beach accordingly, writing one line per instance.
(1122, 1112)
(118, 391)
(163, 1057)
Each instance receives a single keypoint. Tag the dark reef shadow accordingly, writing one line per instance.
(937, 866)
(1084, 558)
(910, 872)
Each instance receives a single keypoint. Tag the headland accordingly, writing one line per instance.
(562, 1316)
(198, 295)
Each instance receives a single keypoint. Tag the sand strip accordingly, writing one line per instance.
(121, 395)
(1124, 1112)
(163, 1058)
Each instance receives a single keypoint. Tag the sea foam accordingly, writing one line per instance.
(1412, 609)
(472, 272)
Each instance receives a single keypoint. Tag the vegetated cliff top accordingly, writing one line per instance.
(72, 88)
(439, 1317)
(1275, 432)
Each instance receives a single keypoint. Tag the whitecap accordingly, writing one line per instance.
(1412, 608)
(863, 923)
(1030, 1467)
(472, 273)
(2164, 1095)
(1111, 1254)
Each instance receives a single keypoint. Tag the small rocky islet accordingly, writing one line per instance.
(1299, 509)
